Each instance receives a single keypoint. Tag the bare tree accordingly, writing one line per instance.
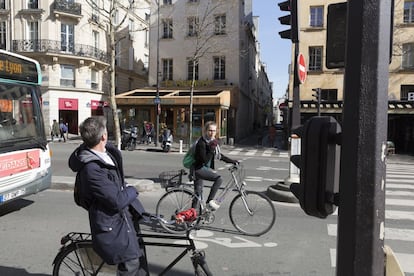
(112, 22)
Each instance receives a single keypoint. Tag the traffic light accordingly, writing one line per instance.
(319, 166)
(317, 94)
(291, 19)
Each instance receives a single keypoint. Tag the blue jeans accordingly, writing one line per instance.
(131, 268)
(208, 174)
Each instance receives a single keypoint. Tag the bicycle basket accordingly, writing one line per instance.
(171, 178)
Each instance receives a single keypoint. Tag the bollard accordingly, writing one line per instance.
(231, 141)
(181, 146)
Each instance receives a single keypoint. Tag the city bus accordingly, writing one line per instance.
(25, 158)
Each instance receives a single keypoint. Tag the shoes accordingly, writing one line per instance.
(213, 205)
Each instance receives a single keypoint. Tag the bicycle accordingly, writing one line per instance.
(77, 257)
(250, 212)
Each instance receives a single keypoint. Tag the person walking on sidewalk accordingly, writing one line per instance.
(206, 150)
(110, 202)
(55, 129)
(63, 130)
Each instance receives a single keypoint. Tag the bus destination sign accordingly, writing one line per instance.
(14, 68)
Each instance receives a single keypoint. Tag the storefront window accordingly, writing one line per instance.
(209, 115)
(197, 123)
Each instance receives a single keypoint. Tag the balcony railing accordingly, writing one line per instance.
(54, 46)
(66, 7)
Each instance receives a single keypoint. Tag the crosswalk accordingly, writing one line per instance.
(262, 152)
(399, 216)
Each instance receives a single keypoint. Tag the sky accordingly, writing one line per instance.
(274, 51)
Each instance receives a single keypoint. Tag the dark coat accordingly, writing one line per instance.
(205, 154)
(104, 189)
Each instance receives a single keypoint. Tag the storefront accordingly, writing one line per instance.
(209, 104)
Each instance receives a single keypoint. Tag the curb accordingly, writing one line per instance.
(67, 183)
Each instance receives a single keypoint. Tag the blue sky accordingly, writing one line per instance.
(275, 52)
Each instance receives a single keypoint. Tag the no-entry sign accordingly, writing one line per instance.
(301, 68)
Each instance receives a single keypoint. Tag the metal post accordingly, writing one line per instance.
(158, 75)
(319, 101)
(364, 135)
(296, 92)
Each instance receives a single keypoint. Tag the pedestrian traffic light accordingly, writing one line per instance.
(319, 166)
(291, 19)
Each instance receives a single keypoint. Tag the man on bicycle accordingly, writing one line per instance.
(109, 201)
(206, 151)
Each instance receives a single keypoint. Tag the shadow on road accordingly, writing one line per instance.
(11, 271)
(14, 206)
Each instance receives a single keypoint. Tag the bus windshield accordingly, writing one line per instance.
(21, 122)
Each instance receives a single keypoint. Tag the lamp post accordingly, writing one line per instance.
(157, 97)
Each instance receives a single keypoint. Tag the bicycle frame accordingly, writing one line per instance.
(76, 237)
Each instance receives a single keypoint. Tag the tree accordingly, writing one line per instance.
(112, 22)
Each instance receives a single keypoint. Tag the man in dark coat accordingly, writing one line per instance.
(108, 198)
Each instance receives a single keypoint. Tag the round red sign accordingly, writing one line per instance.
(301, 68)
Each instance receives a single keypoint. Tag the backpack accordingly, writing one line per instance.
(189, 157)
(77, 194)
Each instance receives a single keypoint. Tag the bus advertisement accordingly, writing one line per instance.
(25, 159)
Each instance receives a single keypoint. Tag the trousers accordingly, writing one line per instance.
(205, 173)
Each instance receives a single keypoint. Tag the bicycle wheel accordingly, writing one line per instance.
(261, 217)
(170, 204)
(80, 259)
(200, 264)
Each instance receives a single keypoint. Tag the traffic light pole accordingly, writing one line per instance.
(362, 178)
(296, 91)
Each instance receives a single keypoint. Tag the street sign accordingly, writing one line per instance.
(157, 100)
(301, 68)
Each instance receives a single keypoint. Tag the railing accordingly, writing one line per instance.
(66, 7)
(55, 46)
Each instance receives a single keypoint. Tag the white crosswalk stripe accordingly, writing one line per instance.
(261, 152)
(399, 200)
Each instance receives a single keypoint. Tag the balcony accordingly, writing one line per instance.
(64, 8)
(46, 46)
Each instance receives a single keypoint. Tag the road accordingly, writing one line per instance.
(297, 244)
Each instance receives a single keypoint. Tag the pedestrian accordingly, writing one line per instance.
(55, 129)
(63, 130)
(112, 204)
(206, 150)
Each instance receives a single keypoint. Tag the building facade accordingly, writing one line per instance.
(213, 43)
(312, 17)
(70, 40)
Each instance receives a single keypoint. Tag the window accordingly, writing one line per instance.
(167, 28)
(406, 91)
(219, 68)
(315, 58)
(408, 56)
(94, 79)
(192, 26)
(409, 11)
(32, 4)
(3, 35)
(95, 36)
(2, 4)
(167, 69)
(192, 1)
(67, 42)
(220, 24)
(316, 16)
(167, 2)
(190, 68)
(67, 75)
(33, 34)
(329, 94)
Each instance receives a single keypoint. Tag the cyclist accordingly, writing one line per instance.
(109, 201)
(206, 151)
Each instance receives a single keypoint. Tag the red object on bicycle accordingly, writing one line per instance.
(187, 215)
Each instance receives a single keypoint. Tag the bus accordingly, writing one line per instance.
(25, 158)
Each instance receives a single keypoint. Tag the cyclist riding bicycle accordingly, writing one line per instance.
(206, 151)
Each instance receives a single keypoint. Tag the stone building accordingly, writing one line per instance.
(70, 40)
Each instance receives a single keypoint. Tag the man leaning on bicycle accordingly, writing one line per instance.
(108, 199)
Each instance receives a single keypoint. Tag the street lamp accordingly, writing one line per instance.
(157, 97)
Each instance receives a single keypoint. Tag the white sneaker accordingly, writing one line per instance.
(213, 205)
